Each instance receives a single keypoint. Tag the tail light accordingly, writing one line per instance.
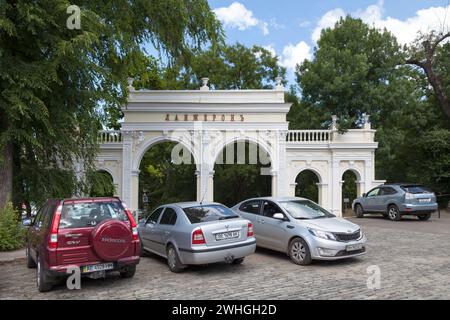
(53, 240)
(133, 224)
(197, 237)
(250, 230)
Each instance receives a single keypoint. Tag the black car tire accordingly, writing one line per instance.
(238, 261)
(424, 217)
(30, 262)
(393, 213)
(173, 261)
(43, 281)
(359, 211)
(128, 272)
(299, 252)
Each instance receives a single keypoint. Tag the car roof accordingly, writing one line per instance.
(189, 204)
(276, 199)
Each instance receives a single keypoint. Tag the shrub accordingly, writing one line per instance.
(11, 232)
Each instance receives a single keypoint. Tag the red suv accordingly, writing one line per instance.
(95, 234)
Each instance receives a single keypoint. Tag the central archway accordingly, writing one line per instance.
(242, 170)
(162, 180)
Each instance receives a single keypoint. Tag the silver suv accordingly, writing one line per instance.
(395, 200)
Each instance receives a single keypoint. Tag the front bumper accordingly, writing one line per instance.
(227, 253)
(407, 208)
(322, 249)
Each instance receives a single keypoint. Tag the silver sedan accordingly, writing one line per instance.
(302, 229)
(195, 233)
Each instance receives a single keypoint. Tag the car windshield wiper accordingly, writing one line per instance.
(320, 217)
(302, 218)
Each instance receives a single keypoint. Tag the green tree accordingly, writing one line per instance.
(354, 71)
(58, 85)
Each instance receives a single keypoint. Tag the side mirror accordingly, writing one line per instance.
(26, 222)
(278, 216)
(364, 195)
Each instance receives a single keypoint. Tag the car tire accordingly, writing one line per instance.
(238, 261)
(30, 262)
(43, 281)
(173, 261)
(393, 213)
(299, 252)
(424, 217)
(359, 211)
(128, 272)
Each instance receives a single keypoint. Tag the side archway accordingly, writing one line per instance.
(308, 185)
(351, 189)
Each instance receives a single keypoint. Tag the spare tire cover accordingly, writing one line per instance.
(111, 239)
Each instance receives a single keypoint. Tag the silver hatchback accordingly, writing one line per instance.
(194, 233)
(302, 229)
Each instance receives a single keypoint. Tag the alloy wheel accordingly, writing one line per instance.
(171, 257)
(38, 273)
(392, 213)
(298, 251)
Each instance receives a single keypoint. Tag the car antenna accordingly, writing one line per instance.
(204, 195)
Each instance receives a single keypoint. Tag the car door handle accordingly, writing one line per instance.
(167, 233)
(261, 221)
(289, 226)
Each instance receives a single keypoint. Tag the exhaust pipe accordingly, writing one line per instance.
(229, 258)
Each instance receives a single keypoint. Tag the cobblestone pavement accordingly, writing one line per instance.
(414, 263)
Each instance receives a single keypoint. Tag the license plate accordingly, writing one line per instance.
(227, 235)
(354, 247)
(97, 267)
(424, 200)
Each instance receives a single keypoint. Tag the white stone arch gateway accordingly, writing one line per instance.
(205, 121)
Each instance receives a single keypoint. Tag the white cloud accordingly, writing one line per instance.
(236, 15)
(295, 54)
(271, 49)
(328, 20)
(425, 20)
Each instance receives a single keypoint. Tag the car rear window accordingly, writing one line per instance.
(416, 189)
(88, 214)
(213, 212)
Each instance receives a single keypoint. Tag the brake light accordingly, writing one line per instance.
(250, 230)
(53, 240)
(197, 237)
(133, 225)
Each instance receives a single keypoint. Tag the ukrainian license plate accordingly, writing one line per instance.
(97, 267)
(227, 235)
(424, 200)
(354, 247)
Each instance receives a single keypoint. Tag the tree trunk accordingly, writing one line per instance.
(6, 174)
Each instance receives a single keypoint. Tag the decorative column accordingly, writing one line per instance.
(127, 141)
(134, 204)
(336, 188)
(283, 178)
(206, 172)
(323, 199)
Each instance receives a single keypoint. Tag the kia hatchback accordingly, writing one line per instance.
(98, 235)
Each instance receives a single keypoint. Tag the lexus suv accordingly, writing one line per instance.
(97, 235)
(395, 200)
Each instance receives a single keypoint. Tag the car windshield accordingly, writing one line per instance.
(416, 189)
(84, 214)
(305, 209)
(212, 212)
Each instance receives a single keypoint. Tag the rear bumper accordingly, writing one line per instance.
(418, 208)
(61, 270)
(204, 254)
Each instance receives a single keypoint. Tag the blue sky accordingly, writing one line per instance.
(290, 28)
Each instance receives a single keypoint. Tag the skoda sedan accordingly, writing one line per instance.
(302, 229)
(192, 233)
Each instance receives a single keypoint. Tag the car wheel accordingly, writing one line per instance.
(128, 272)
(424, 217)
(173, 261)
(393, 213)
(299, 252)
(238, 261)
(359, 211)
(42, 280)
(30, 261)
